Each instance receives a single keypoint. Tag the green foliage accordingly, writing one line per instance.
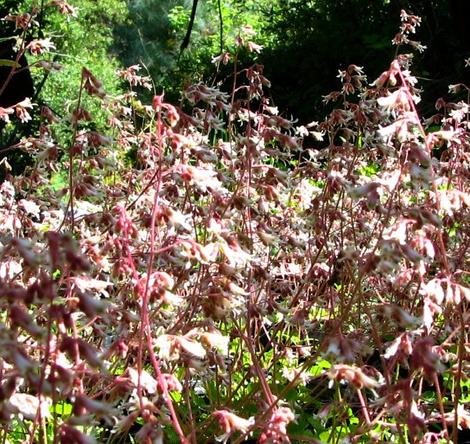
(146, 36)
(83, 41)
(369, 170)
(155, 29)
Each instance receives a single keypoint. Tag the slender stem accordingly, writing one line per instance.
(145, 330)
(221, 26)
(458, 377)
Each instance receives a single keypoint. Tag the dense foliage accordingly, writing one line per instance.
(305, 42)
(155, 30)
(314, 38)
(64, 43)
(206, 272)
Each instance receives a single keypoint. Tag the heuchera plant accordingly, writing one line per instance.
(211, 271)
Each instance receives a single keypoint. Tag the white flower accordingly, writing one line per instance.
(5, 114)
(21, 107)
(38, 47)
(28, 405)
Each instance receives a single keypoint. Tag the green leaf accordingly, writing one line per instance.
(62, 409)
(319, 367)
(12, 63)
(369, 170)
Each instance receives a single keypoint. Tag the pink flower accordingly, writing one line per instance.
(353, 375)
(253, 47)
(425, 357)
(229, 422)
(276, 428)
(223, 57)
(28, 405)
(21, 111)
(5, 114)
(64, 7)
(130, 74)
(91, 84)
(37, 47)
(397, 100)
(22, 21)
(72, 435)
